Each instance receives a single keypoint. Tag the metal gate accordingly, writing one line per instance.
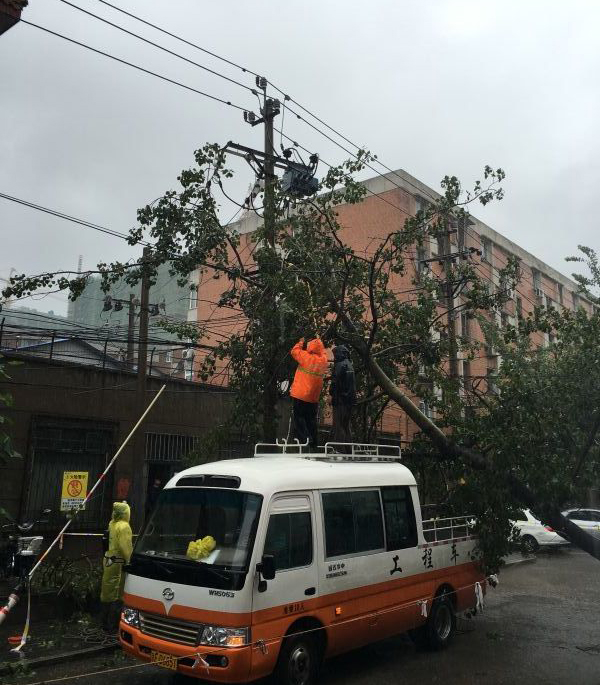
(59, 445)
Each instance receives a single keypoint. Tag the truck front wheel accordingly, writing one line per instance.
(298, 661)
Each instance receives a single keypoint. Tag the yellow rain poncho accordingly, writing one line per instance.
(119, 546)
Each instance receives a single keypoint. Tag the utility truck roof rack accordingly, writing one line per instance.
(331, 451)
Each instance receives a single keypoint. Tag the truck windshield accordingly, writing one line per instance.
(188, 515)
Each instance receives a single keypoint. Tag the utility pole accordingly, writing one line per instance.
(270, 111)
(451, 287)
(142, 360)
(448, 285)
(298, 181)
(130, 329)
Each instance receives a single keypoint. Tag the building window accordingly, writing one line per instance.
(421, 256)
(169, 356)
(289, 540)
(575, 302)
(353, 522)
(400, 526)
(560, 293)
(461, 232)
(426, 409)
(466, 367)
(441, 245)
(491, 381)
(519, 307)
(464, 324)
(421, 204)
(193, 297)
(486, 250)
(504, 319)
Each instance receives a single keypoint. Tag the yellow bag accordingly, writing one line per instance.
(200, 549)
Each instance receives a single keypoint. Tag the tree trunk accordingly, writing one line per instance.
(581, 538)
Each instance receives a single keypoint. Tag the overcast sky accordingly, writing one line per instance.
(436, 87)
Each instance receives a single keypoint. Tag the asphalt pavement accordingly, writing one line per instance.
(540, 625)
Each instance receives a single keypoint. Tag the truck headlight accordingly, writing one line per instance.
(131, 617)
(218, 636)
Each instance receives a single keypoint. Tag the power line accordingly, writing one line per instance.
(179, 38)
(135, 66)
(66, 217)
(160, 47)
(247, 70)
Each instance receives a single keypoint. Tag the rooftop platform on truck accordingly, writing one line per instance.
(286, 466)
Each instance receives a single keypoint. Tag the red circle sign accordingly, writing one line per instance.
(74, 488)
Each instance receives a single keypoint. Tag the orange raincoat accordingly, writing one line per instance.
(311, 371)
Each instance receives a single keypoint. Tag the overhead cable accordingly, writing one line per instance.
(160, 47)
(135, 66)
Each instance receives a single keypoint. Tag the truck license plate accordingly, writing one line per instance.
(164, 660)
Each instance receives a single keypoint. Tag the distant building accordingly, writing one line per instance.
(165, 351)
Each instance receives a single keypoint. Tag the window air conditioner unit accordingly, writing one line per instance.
(538, 292)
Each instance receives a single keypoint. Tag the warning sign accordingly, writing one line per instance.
(74, 489)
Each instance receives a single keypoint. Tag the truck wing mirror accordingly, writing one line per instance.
(266, 568)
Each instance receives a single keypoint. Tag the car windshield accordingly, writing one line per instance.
(189, 515)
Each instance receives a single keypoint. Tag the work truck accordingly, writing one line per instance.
(272, 563)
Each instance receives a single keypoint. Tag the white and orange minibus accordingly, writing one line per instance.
(311, 554)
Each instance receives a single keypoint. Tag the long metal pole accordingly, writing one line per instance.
(97, 483)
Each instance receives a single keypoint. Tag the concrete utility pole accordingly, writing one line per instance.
(270, 111)
(450, 287)
(142, 360)
(138, 459)
(130, 329)
(298, 181)
(448, 261)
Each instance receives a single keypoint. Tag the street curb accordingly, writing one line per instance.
(520, 561)
(58, 658)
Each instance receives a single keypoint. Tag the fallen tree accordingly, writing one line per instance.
(400, 340)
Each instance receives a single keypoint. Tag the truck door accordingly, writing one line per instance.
(290, 538)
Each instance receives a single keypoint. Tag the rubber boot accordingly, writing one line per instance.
(105, 615)
(114, 617)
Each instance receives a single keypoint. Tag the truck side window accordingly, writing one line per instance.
(353, 522)
(400, 524)
(289, 540)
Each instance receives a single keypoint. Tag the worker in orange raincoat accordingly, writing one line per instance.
(118, 553)
(306, 388)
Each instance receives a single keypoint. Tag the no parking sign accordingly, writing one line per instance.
(74, 489)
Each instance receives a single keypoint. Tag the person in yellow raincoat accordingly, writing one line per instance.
(119, 552)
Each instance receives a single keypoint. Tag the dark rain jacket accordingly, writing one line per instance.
(343, 387)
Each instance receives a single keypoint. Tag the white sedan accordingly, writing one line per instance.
(534, 534)
(584, 518)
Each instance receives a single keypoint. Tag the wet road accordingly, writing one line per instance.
(541, 625)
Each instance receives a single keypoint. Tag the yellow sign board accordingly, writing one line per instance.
(74, 489)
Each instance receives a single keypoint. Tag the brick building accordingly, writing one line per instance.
(390, 199)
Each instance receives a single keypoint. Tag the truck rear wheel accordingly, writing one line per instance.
(440, 626)
(298, 661)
